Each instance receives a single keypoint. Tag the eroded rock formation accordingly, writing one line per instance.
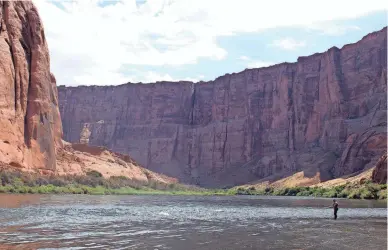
(85, 134)
(325, 113)
(30, 127)
(379, 174)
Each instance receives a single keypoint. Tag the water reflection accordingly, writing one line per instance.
(18, 200)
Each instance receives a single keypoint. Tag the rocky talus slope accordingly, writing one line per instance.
(324, 115)
(76, 158)
(30, 123)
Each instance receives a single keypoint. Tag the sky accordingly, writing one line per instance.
(95, 42)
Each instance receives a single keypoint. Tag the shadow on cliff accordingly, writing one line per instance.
(319, 168)
(320, 171)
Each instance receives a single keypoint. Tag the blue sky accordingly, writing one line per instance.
(113, 42)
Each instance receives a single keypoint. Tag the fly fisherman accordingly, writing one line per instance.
(335, 207)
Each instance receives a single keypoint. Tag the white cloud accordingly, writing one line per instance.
(332, 29)
(109, 78)
(251, 63)
(259, 64)
(288, 44)
(89, 42)
(155, 77)
(244, 58)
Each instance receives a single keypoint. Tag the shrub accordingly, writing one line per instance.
(344, 193)
(318, 191)
(269, 190)
(94, 173)
(281, 191)
(122, 181)
(382, 194)
(89, 181)
(17, 182)
(242, 191)
(339, 189)
(260, 191)
(21, 190)
(330, 194)
(40, 181)
(28, 180)
(304, 193)
(293, 191)
(97, 190)
(57, 181)
(373, 187)
(355, 194)
(7, 177)
(365, 193)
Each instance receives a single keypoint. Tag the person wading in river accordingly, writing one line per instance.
(335, 207)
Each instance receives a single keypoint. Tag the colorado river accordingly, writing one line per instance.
(188, 222)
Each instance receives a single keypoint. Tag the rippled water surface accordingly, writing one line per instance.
(188, 222)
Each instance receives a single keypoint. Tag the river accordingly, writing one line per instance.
(188, 222)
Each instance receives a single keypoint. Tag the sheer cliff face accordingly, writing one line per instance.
(324, 114)
(30, 127)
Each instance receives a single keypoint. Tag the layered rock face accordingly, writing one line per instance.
(379, 174)
(324, 114)
(30, 127)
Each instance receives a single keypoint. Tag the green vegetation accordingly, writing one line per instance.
(351, 191)
(94, 183)
(91, 183)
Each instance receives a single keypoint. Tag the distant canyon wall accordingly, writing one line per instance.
(325, 113)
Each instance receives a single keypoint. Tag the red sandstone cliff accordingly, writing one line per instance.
(30, 127)
(326, 113)
(30, 124)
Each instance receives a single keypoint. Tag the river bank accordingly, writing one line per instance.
(94, 184)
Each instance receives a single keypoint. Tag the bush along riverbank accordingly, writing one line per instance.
(367, 190)
(93, 183)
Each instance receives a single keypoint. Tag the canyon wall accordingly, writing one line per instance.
(324, 114)
(30, 127)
